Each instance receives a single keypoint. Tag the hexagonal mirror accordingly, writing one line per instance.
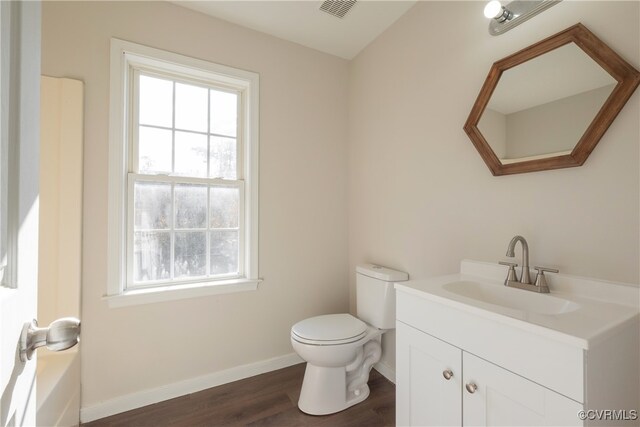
(547, 106)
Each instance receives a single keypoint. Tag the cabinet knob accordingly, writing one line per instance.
(471, 387)
(447, 374)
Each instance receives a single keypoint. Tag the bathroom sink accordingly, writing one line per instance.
(579, 311)
(510, 298)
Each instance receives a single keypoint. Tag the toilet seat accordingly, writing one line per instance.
(331, 329)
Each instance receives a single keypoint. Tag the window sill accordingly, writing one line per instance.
(178, 292)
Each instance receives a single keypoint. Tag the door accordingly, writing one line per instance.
(19, 162)
(428, 380)
(494, 396)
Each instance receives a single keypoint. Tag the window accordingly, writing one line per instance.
(183, 174)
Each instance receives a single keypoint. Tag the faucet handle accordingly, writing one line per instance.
(541, 280)
(542, 270)
(510, 264)
(511, 274)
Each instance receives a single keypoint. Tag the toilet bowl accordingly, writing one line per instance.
(341, 349)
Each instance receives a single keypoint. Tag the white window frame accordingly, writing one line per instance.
(127, 59)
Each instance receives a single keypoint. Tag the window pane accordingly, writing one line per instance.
(224, 113)
(191, 206)
(190, 254)
(222, 158)
(191, 154)
(151, 256)
(191, 107)
(156, 102)
(225, 207)
(152, 206)
(154, 150)
(224, 252)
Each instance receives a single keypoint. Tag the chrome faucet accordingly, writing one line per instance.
(524, 275)
(540, 284)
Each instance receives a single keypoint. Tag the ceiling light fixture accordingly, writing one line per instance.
(504, 18)
(494, 9)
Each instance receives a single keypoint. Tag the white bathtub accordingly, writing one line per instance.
(58, 389)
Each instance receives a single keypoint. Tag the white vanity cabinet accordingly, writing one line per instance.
(503, 398)
(470, 351)
(424, 395)
(431, 385)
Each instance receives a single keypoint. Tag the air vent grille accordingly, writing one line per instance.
(337, 8)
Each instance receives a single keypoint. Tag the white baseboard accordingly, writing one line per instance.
(386, 371)
(170, 391)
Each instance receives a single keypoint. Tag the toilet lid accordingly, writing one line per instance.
(330, 327)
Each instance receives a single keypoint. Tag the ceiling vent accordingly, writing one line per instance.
(337, 8)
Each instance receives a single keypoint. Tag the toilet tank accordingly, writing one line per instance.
(376, 296)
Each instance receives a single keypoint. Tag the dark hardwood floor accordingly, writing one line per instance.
(265, 400)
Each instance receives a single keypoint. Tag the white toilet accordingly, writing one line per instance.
(340, 349)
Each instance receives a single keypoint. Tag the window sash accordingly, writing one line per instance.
(173, 180)
(134, 120)
(134, 176)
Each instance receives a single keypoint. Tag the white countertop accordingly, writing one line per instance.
(603, 306)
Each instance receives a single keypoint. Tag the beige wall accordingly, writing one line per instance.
(555, 126)
(421, 198)
(303, 216)
(544, 129)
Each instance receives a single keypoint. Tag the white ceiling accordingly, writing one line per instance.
(303, 22)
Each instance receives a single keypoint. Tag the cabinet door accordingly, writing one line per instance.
(424, 396)
(503, 398)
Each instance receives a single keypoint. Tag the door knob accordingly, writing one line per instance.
(62, 334)
(471, 387)
(447, 374)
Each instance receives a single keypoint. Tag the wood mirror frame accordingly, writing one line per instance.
(626, 75)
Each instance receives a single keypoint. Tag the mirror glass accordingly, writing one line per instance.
(542, 107)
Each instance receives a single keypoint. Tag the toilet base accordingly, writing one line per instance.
(324, 391)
